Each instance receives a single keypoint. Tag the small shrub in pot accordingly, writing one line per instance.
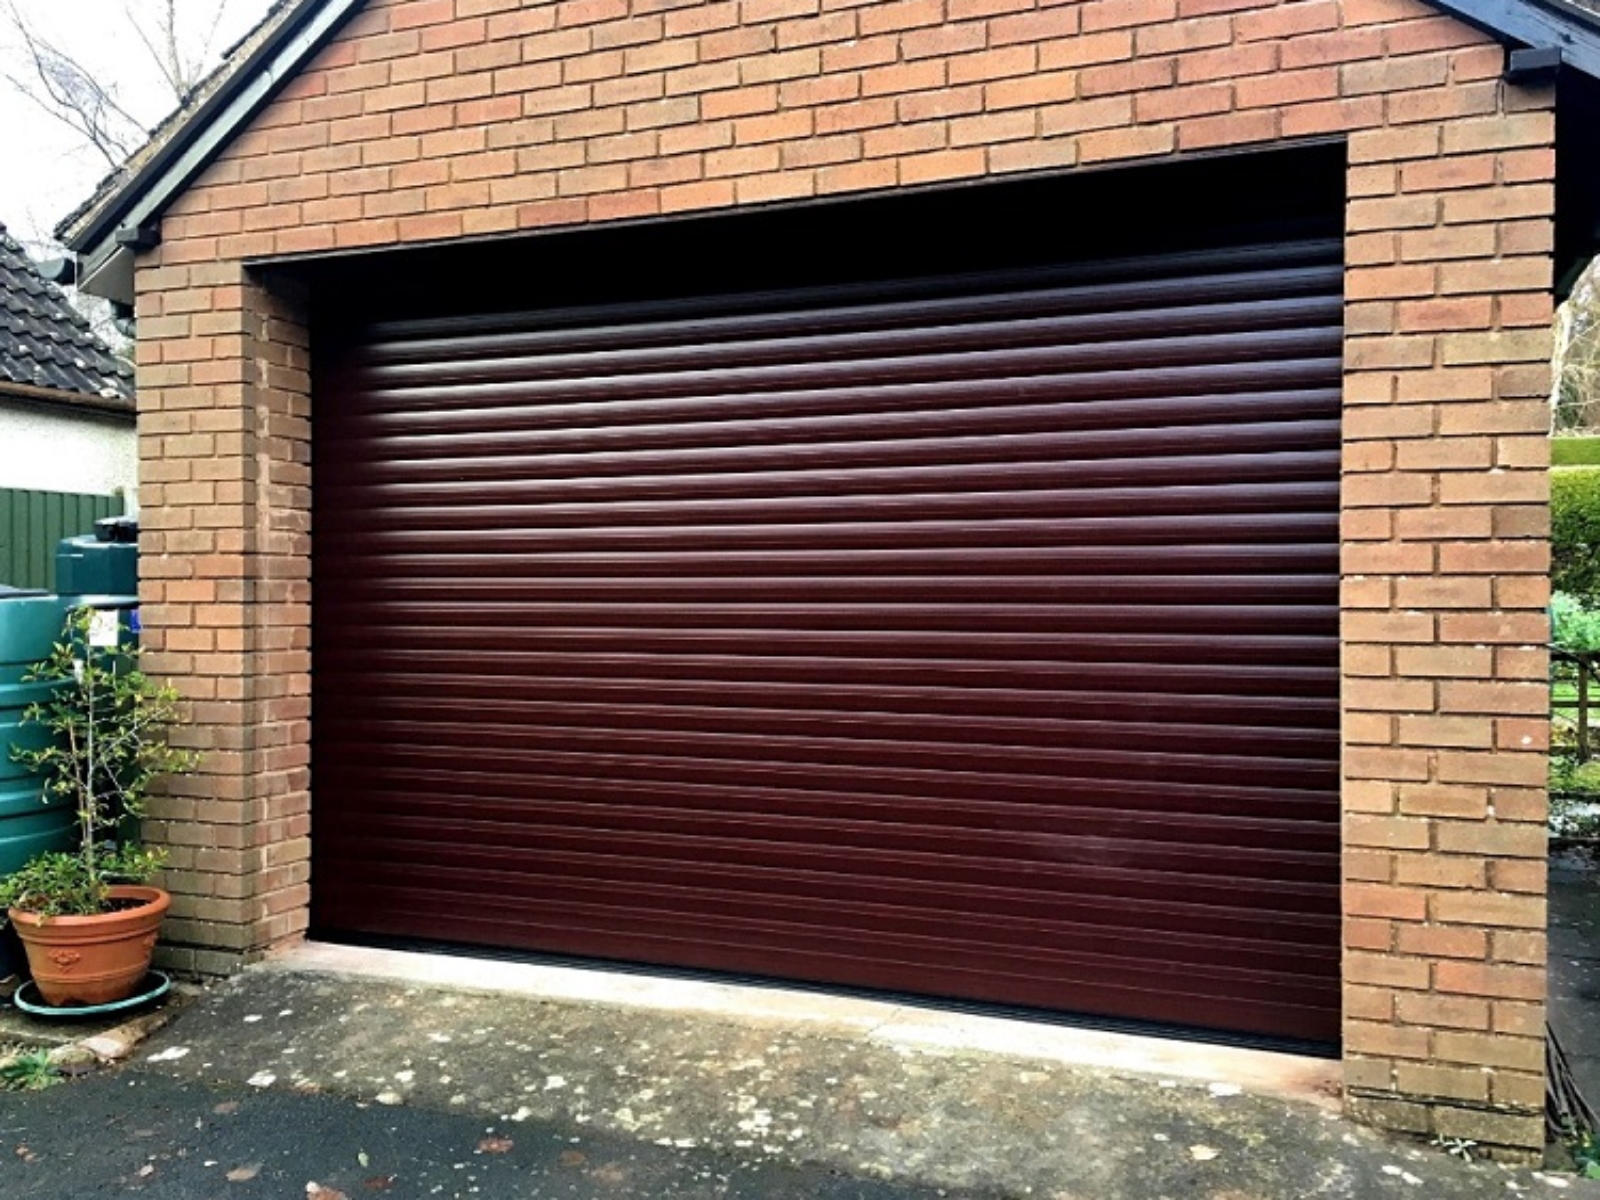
(108, 725)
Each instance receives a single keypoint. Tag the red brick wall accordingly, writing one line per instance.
(225, 576)
(435, 119)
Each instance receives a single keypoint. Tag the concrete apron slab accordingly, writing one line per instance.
(1314, 1080)
(976, 1105)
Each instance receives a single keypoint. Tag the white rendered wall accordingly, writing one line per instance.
(47, 451)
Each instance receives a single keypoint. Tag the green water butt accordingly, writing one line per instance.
(29, 823)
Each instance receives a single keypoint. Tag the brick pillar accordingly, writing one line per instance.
(1445, 565)
(224, 407)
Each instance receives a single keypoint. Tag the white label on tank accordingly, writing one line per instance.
(103, 628)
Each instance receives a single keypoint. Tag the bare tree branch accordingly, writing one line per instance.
(62, 86)
(1577, 394)
(161, 47)
(165, 41)
(180, 43)
(71, 94)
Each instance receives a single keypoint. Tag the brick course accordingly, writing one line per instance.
(436, 119)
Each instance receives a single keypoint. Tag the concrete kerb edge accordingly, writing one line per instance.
(80, 1046)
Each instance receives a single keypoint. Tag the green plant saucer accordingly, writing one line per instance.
(152, 986)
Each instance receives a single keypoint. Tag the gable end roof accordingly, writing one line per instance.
(106, 230)
(134, 195)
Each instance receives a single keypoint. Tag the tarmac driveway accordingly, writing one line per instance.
(287, 1082)
(138, 1132)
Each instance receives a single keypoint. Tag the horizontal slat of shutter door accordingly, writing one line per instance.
(974, 645)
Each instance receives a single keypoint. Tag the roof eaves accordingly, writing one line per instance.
(1567, 25)
(119, 407)
(131, 200)
(172, 124)
(246, 85)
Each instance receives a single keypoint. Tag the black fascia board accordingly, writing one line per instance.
(197, 124)
(1575, 31)
(1572, 30)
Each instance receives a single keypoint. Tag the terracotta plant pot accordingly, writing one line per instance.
(93, 960)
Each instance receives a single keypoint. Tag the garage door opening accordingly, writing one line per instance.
(936, 594)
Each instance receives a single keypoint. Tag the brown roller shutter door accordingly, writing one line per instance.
(977, 641)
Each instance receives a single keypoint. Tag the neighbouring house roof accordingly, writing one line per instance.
(119, 218)
(48, 352)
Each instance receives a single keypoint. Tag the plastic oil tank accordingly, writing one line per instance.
(30, 822)
(100, 570)
(104, 563)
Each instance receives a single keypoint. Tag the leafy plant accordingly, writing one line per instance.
(28, 1072)
(1586, 1154)
(108, 725)
(1567, 774)
(1573, 625)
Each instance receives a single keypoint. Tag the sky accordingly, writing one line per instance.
(47, 168)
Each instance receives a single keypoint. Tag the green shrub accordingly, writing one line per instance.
(1575, 451)
(1569, 775)
(1575, 532)
(1573, 626)
(108, 724)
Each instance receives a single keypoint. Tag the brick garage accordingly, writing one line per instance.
(407, 122)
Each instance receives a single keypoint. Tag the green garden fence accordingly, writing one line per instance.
(31, 523)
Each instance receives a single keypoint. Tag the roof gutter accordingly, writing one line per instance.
(1571, 30)
(120, 407)
(108, 243)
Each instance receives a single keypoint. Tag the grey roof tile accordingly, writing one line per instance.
(45, 342)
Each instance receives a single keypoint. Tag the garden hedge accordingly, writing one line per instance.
(1575, 451)
(1575, 532)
